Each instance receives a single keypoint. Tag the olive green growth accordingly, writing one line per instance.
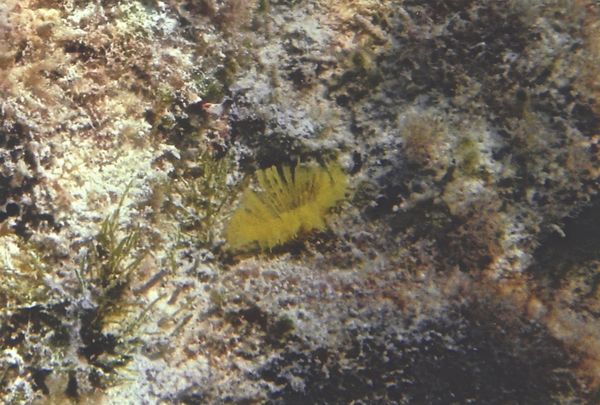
(108, 326)
(469, 157)
(263, 6)
(197, 198)
(111, 259)
(23, 283)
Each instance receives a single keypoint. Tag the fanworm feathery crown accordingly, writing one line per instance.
(289, 201)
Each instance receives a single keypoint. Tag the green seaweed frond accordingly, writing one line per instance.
(111, 258)
(108, 326)
(288, 202)
(197, 202)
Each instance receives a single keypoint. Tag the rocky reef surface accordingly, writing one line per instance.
(461, 265)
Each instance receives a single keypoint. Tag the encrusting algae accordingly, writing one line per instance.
(290, 201)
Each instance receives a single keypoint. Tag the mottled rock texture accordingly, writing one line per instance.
(463, 265)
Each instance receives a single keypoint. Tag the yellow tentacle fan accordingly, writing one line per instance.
(287, 202)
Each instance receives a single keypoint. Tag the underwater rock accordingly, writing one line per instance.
(426, 231)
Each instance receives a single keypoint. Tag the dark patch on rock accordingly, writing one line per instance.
(39, 379)
(15, 186)
(40, 320)
(471, 354)
(557, 255)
